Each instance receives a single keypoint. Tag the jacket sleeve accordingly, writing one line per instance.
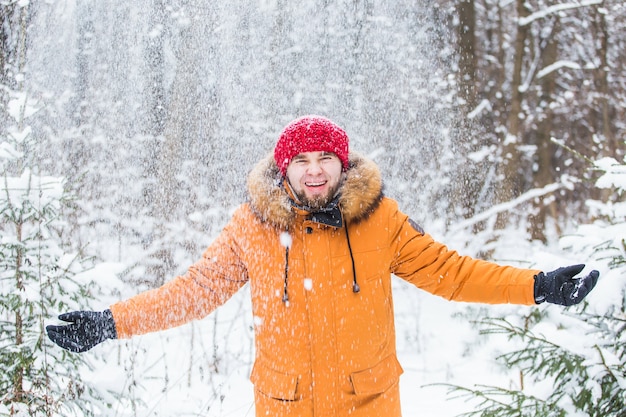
(431, 266)
(206, 285)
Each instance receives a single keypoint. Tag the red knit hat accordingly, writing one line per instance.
(310, 134)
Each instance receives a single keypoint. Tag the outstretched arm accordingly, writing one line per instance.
(208, 283)
(431, 266)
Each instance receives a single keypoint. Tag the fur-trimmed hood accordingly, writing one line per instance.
(360, 192)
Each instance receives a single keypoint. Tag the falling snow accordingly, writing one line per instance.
(203, 367)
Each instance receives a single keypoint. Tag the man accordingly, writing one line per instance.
(318, 242)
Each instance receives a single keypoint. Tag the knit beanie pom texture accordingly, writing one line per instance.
(310, 134)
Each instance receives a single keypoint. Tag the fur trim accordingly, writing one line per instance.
(361, 191)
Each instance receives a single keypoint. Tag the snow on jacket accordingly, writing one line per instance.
(327, 350)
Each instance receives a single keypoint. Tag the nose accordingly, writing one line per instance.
(314, 167)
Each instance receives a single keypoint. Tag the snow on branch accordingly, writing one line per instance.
(555, 9)
(566, 182)
(556, 66)
(614, 174)
(483, 105)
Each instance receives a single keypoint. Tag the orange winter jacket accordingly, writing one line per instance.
(321, 292)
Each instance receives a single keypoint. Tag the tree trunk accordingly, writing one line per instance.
(469, 184)
(466, 44)
(83, 69)
(155, 98)
(20, 369)
(545, 148)
(508, 166)
(181, 132)
(602, 84)
(155, 63)
(183, 117)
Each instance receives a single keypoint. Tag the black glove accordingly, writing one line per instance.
(86, 329)
(560, 286)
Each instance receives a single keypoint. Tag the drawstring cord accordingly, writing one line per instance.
(355, 284)
(285, 294)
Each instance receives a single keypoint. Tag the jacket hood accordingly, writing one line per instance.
(360, 192)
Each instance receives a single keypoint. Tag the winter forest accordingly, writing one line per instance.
(128, 128)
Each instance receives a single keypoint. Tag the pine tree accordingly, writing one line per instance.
(587, 378)
(591, 383)
(36, 281)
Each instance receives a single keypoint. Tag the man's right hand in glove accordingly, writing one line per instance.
(85, 330)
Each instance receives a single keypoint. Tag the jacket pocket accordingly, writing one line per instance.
(274, 384)
(377, 379)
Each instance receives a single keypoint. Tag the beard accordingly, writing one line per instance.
(317, 202)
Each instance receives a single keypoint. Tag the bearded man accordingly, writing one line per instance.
(318, 242)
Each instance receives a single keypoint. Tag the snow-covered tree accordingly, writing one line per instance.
(36, 281)
(571, 362)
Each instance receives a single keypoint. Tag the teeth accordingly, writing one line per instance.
(315, 184)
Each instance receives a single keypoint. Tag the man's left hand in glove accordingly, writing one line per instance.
(562, 287)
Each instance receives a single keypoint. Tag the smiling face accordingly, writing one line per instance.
(315, 177)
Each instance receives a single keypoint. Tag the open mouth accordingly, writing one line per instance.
(315, 184)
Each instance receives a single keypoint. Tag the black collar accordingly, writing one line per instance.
(329, 215)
